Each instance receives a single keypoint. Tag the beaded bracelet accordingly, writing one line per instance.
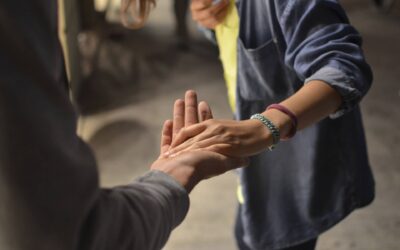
(271, 127)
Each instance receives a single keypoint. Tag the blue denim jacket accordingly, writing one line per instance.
(308, 184)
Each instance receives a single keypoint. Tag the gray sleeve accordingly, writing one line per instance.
(136, 216)
(49, 192)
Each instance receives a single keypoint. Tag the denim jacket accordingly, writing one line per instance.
(311, 182)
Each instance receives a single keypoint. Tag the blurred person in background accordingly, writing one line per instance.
(181, 28)
(295, 72)
(50, 196)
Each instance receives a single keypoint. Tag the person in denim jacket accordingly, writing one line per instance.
(304, 57)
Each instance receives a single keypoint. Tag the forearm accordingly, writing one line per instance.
(140, 215)
(313, 102)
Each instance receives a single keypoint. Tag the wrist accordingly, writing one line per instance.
(183, 173)
(280, 120)
(261, 132)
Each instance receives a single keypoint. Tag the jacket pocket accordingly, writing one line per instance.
(261, 76)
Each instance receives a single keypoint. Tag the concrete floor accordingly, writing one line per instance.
(150, 73)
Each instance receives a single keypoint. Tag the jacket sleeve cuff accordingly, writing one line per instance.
(178, 196)
(341, 82)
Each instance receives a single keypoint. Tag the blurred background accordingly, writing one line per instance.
(124, 82)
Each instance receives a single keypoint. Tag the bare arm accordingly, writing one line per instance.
(313, 102)
(324, 51)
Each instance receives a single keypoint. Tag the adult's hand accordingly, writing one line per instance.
(310, 104)
(209, 14)
(191, 167)
(228, 137)
(186, 112)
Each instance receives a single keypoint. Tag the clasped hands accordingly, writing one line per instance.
(194, 146)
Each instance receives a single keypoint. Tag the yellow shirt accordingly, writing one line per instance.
(227, 35)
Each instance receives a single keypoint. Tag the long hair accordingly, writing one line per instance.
(134, 13)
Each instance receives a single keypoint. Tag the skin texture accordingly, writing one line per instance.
(192, 166)
(313, 102)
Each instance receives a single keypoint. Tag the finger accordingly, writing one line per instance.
(187, 133)
(220, 148)
(210, 12)
(197, 142)
(191, 116)
(179, 117)
(166, 136)
(220, 16)
(211, 23)
(204, 111)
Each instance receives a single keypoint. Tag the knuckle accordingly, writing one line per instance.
(215, 129)
(235, 142)
(231, 138)
(219, 129)
(191, 108)
(178, 115)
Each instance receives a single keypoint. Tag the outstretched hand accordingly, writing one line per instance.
(228, 137)
(192, 166)
(186, 112)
